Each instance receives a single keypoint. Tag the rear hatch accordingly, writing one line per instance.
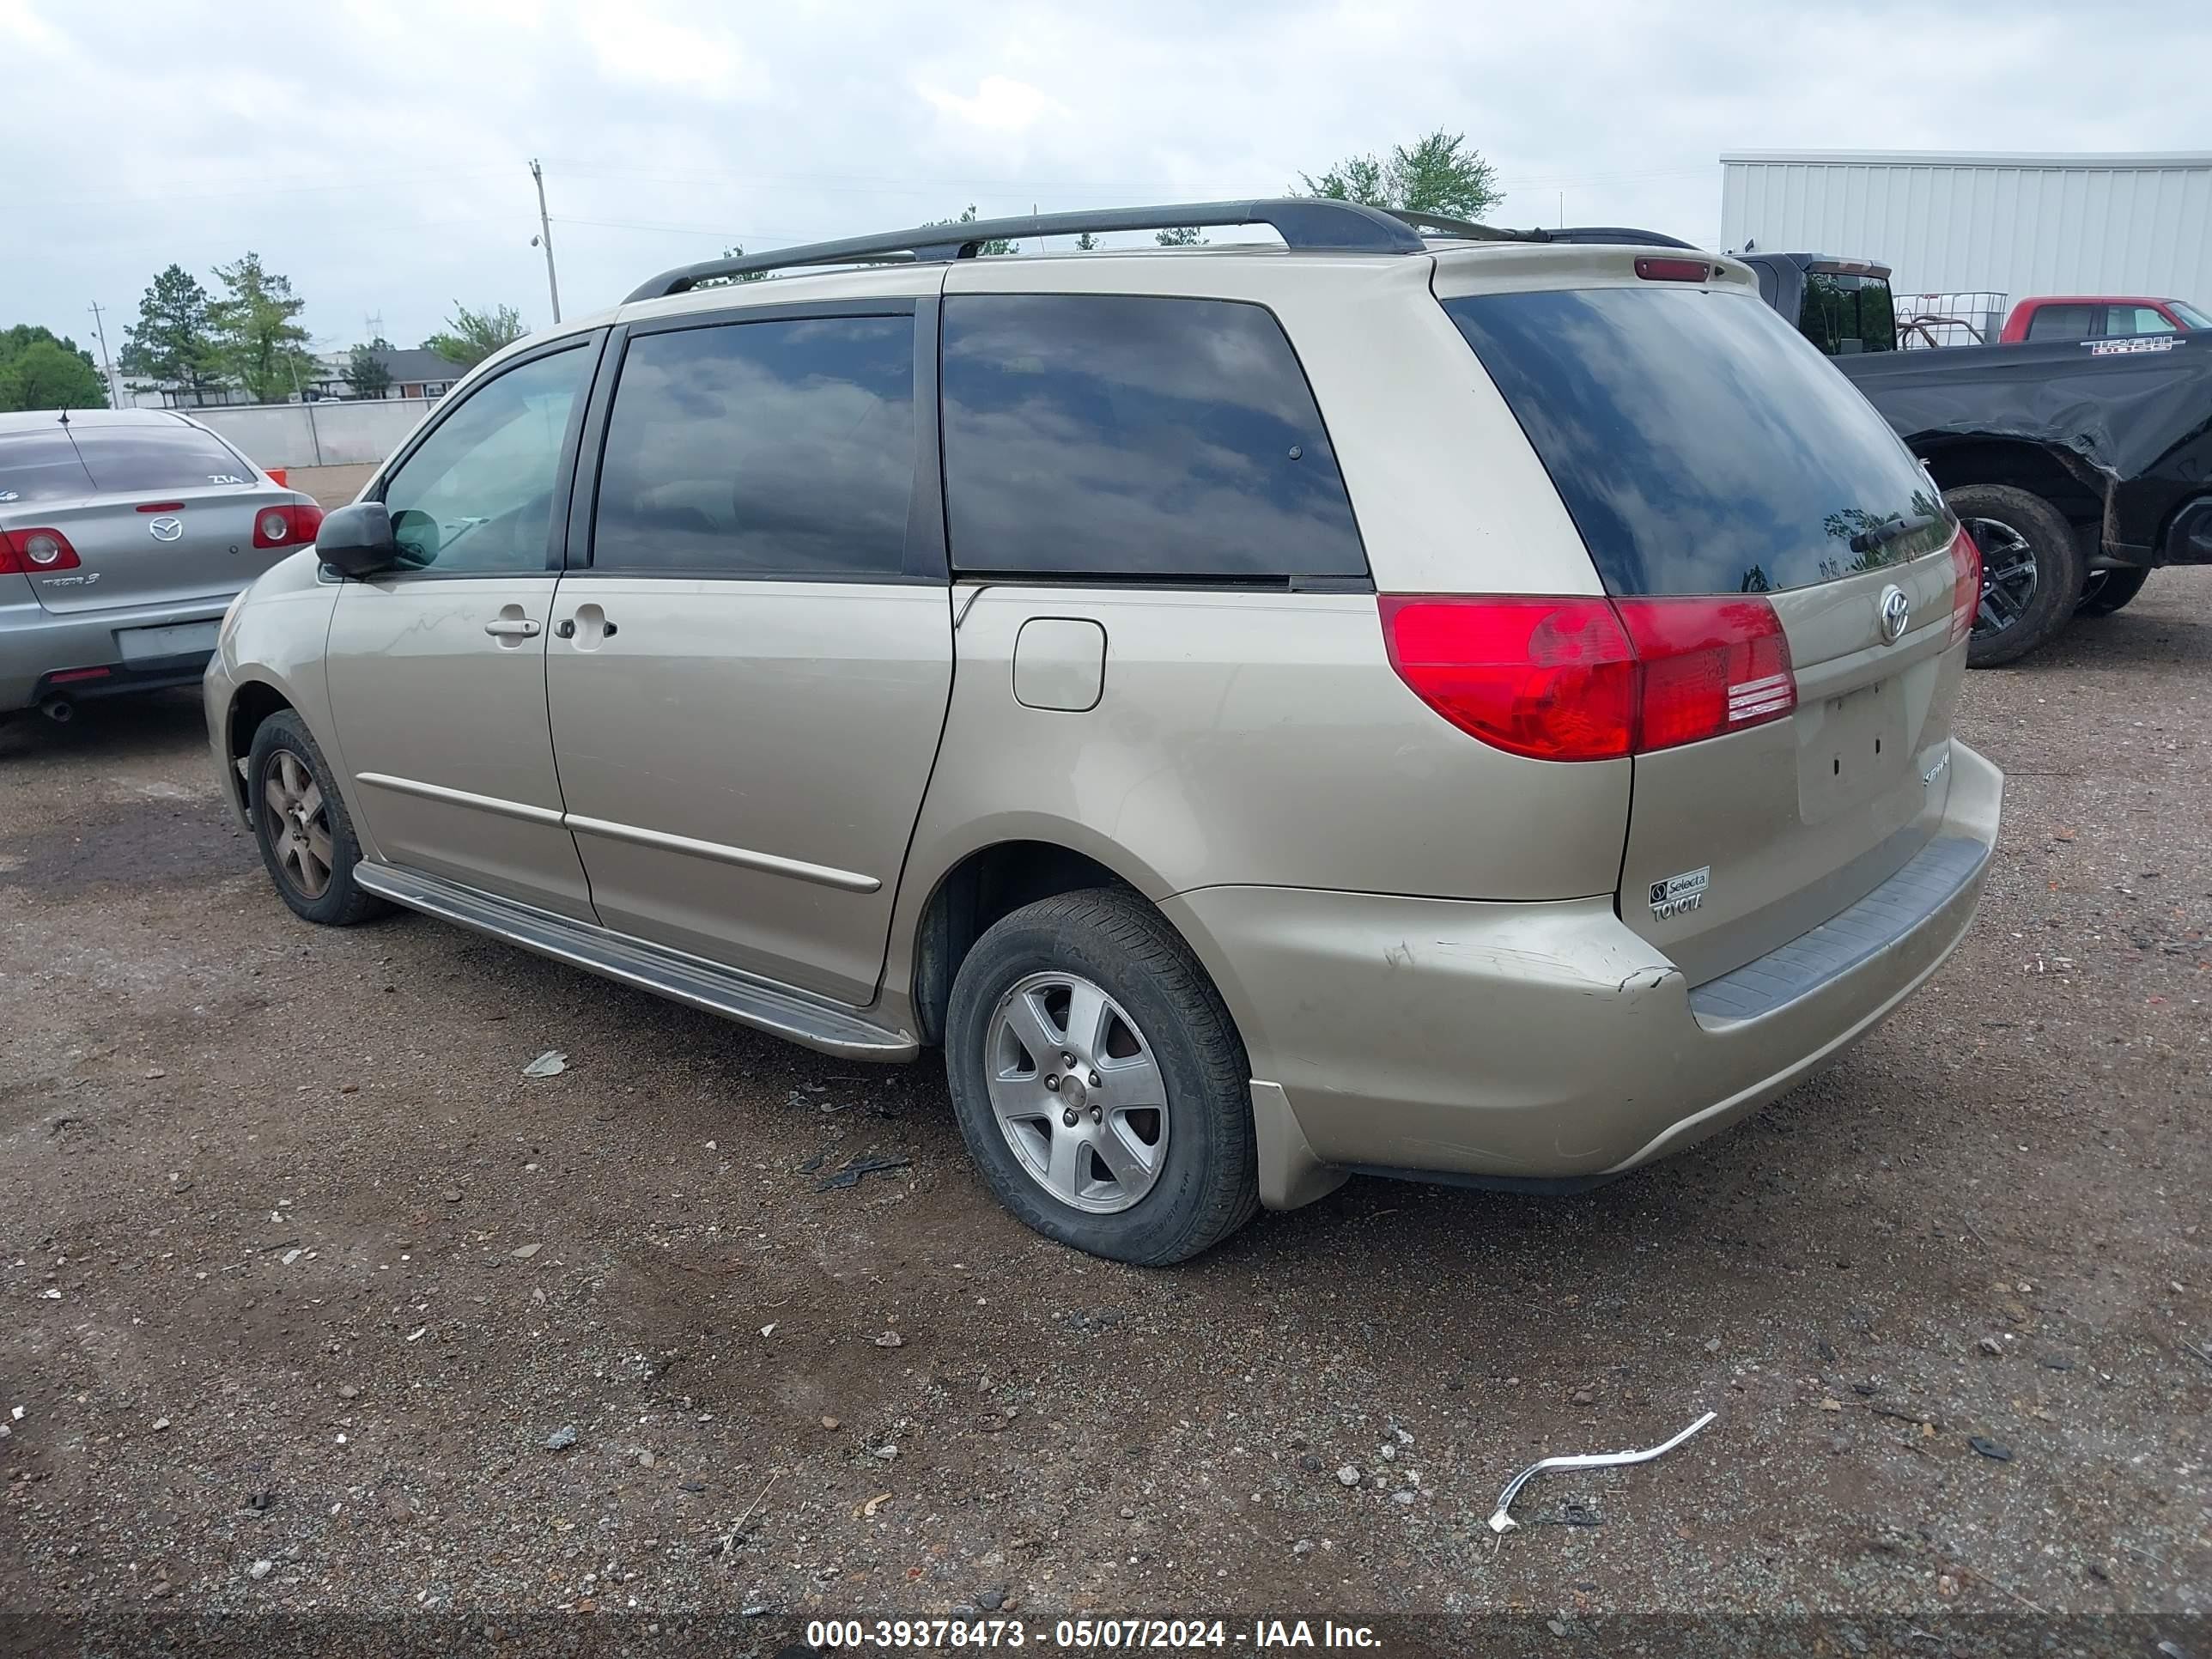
(1725, 478)
(157, 512)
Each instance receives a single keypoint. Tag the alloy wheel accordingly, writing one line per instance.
(298, 822)
(2008, 575)
(1077, 1092)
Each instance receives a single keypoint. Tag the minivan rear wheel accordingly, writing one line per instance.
(1099, 1082)
(2031, 570)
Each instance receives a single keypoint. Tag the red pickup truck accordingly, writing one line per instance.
(2096, 317)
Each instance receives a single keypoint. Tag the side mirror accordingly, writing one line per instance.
(357, 540)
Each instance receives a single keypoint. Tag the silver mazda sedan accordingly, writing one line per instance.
(124, 536)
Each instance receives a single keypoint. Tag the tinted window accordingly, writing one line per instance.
(87, 458)
(1136, 437)
(2061, 322)
(1700, 446)
(477, 497)
(768, 449)
(1843, 314)
(41, 466)
(2190, 315)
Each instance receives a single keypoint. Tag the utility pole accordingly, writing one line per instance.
(545, 236)
(114, 388)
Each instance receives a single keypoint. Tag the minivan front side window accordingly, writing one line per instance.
(476, 498)
(778, 448)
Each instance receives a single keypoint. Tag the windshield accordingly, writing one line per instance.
(2189, 313)
(1700, 446)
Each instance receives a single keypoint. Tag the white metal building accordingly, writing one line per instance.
(2013, 224)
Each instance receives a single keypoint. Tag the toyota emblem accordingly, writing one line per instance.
(166, 529)
(1896, 612)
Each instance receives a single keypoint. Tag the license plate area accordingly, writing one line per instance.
(137, 645)
(1850, 748)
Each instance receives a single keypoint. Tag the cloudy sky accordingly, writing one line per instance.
(377, 151)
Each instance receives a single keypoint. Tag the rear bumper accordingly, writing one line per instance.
(36, 643)
(1547, 1043)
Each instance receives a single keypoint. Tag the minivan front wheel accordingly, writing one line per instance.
(301, 827)
(1099, 1082)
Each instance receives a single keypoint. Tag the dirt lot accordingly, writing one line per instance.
(303, 1277)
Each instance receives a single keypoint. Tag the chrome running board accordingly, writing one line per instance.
(765, 1005)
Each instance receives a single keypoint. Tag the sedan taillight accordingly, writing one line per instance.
(291, 525)
(34, 552)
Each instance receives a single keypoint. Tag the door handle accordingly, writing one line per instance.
(590, 622)
(511, 627)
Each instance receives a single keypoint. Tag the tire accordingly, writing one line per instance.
(2042, 580)
(1180, 1181)
(285, 757)
(2107, 590)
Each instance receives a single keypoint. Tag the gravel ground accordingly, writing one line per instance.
(313, 1301)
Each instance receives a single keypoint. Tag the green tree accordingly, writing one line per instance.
(260, 344)
(172, 343)
(1179, 236)
(366, 371)
(735, 251)
(471, 337)
(39, 370)
(1437, 174)
(993, 245)
(1086, 242)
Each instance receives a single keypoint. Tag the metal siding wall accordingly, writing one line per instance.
(2015, 230)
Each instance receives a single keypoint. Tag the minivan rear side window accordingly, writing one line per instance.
(780, 447)
(1136, 436)
(1701, 446)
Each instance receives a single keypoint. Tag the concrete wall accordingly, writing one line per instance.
(2011, 224)
(316, 434)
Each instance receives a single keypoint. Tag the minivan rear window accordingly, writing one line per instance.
(1701, 446)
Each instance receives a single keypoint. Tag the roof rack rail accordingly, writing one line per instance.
(1309, 223)
(1466, 229)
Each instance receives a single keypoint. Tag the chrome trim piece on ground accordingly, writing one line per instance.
(829, 1027)
(1502, 1523)
(821, 875)
(438, 791)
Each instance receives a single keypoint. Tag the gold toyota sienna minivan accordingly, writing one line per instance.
(1398, 698)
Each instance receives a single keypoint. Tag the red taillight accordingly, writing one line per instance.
(1574, 679)
(74, 676)
(34, 552)
(161, 506)
(1552, 678)
(1672, 270)
(291, 525)
(1966, 585)
(1710, 666)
